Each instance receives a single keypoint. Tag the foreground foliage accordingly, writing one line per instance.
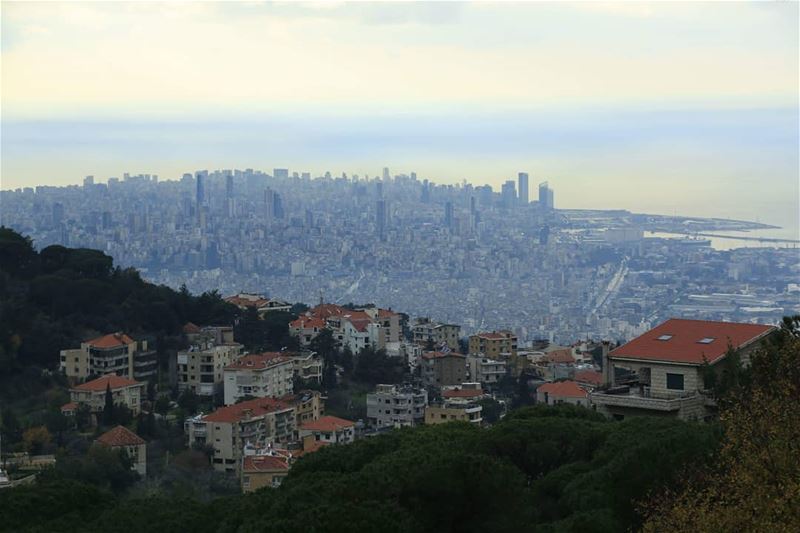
(540, 468)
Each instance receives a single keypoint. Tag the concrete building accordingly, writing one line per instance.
(306, 328)
(229, 429)
(121, 438)
(440, 369)
(201, 368)
(328, 430)
(494, 345)
(449, 411)
(263, 375)
(396, 406)
(306, 365)
(114, 353)
(264, 468)
(659, 372)
(123, 391)
(258, 302)
(562, 392)
(486, 371)
(425, 331)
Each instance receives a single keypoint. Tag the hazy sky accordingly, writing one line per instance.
(632, 99)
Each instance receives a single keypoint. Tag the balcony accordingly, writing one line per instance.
(639, 398)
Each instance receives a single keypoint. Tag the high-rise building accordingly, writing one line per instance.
(200, 193)
(280, 173)
(386, 174)
(509, 194)
(522, 177)
(269, 204)
(448, 215)
(380, 219)
(546, 196)
(229, 186)
(88, 181)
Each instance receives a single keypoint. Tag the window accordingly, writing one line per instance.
(675, 381)
(706, 340)
(664, 337)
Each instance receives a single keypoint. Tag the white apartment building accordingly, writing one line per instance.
(264, 375)
(396, 406)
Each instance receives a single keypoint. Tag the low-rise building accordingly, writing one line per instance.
(396, 406)
(307, 365)
(450, 411)
(258, 302)
(115, 353)
(661, 371)
(308, 405)
(264, 468)
(425, 331)
(464, 394)
(485, 370)
(121, 438)
(562, 392)
(260, 375)
(329, 430)
(440, 369)
(306, 328)
(124, 391)
(494, 344)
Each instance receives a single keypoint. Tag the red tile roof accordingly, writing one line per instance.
(327, 310)
(257, 407)
(592, 377)
(120, 436)
(681, 341)
(311, 447)
(100, 384)
(560, 356)
(112, 340)
(241, 301)
(462, 393)
(563, 389)
(386, 313)
(307, 322)
(327, 423)
(71, 406)
(258, 361)
(359, 319)
(264, 463)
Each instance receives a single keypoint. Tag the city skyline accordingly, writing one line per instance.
(627, 105)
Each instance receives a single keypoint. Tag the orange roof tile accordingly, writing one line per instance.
(327, 310)
(690, 341)
(560, 356)
(435, 355)
(563, 389)
(112, 340)
(257, 407)
(593, 377)
(71, 406)
(307, 322)
(189, 327)
(120, 436)
(313, 446)
(327, 423)
(101, 383)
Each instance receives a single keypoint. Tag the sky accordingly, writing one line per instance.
(669, 106)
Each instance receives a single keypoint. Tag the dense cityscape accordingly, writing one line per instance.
(468, 254)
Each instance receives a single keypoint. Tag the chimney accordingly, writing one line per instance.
(608, 372)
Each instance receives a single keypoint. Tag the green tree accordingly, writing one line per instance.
(108, 407)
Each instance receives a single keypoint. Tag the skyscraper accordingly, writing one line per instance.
(281, 173)
(229, 186)
(448, 215)
(380, 219)
(200, 194)
(546, 196)
(509, 194)
(269, 204)
(522, 177)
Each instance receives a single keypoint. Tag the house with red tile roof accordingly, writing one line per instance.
(588, 378)
(121, 438)
(115, 352)
(355, 328)
(661, 371)
(265, 469)
(562, 392)
(328, 430)
(258, 302)
(124, 391)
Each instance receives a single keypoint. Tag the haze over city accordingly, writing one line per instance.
(687, 108)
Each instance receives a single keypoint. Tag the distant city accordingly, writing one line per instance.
(465, 254)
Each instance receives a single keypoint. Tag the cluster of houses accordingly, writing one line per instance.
(264, 425)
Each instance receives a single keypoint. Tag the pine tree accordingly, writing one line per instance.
(108, 408)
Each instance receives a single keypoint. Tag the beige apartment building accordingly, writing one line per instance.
(264, 470)
(263, 375)
(201, 368)
(114, 353)
(450, 411)
(229, 429)
(441, 369)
